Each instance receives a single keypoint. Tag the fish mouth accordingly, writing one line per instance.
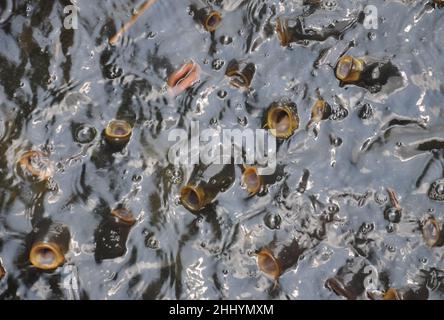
(46, 256)
(185, 77)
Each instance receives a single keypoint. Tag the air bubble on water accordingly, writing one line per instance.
(112, 71)
(367, 228)
(222, 94)
(380, 197)
(242, 120)
(225, 40)
(174, 176)
(85, 134)
(151, 242)
(336, 141)
(272, 221)
(218, 64)
(333, 208)
(330, 4)
(393, 214)
(366, 111)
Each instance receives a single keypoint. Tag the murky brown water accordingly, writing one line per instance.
(60, 87)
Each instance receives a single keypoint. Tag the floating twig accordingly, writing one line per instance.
(144, 7)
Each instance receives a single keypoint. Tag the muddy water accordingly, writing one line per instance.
(60, 87)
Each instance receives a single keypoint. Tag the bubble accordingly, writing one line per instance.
(217, 64)
(226, 40)
(52, 185)
(380, 197)
(335, 141)
(151, 242)
(366, 111)
(390, 228)
(436, 190)
(333, 208)
(174, 176)
(85, 134)
(339, 114)
(111, 71)
(222, 94)
(367, 227)
(371, 36)
(243, 121)
(392, 214)
(330, 4)
(272, 221)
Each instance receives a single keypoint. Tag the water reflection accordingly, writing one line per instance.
(61, 88)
